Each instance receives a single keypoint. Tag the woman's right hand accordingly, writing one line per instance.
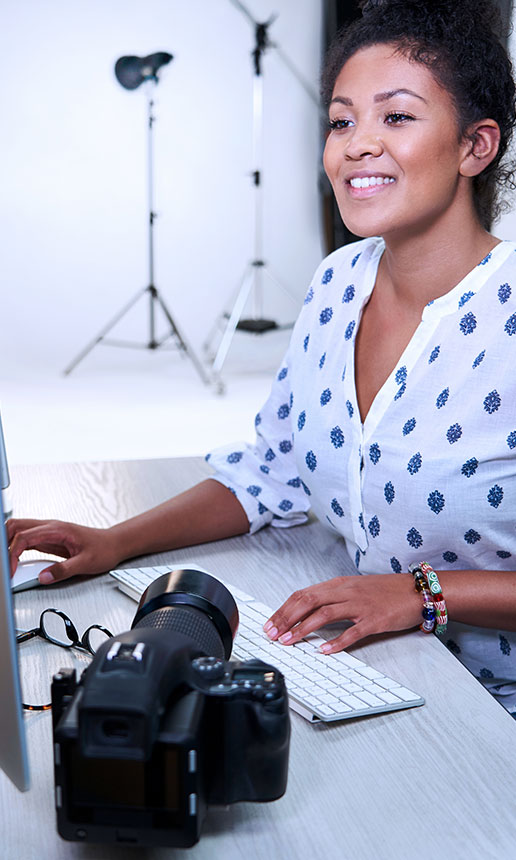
(85, 550)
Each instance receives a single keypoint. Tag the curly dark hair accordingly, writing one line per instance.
(458, 40)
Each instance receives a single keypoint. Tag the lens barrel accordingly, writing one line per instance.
(193, 603)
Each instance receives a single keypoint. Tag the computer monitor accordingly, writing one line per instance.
(13, 745)
(4, 476)
(4, 469)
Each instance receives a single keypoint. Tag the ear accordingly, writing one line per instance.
(482, 140)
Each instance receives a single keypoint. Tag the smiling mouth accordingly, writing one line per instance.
(369, 181)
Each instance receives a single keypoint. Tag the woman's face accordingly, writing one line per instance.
(393, 154)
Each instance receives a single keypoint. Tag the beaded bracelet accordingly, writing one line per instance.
(429, 611)
(437, 596)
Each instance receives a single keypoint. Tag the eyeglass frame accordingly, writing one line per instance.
(76, 641)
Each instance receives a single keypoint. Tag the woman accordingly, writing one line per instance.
(393, 415)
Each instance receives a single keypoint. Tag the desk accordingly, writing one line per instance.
(437, 781)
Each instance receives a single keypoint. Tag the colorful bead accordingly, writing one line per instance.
(437, 596)
(428, 612)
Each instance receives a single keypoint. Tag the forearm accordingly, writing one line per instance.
(206, 512)
(484, 598)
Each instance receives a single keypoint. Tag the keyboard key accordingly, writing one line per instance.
(262, 610)
(388, 683)
(406, 695)
(347, 659)
(368, 698)
(374, 689)
(327, 710)
(387, 697)
(328, 699)
(351, 675)
(250, 612)
(369, 672)
(329, 685)
(352, 702)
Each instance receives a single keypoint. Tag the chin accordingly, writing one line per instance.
(363, 233)
(361, 230)
(362, 227)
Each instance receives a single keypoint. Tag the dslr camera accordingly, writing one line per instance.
(161, 724)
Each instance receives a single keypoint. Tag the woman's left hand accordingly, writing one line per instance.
(374, 603)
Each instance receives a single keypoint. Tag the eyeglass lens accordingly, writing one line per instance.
(57, 627)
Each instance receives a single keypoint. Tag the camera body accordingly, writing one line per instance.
(157, 730)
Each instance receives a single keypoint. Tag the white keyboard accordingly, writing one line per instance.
(320, 686)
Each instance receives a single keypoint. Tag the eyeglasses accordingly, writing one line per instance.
(56, 627)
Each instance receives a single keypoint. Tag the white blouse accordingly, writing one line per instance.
(431, 472)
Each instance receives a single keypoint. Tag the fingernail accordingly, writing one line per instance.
(326, 649)
(46, 577)
(267, 626)
(272, 632)
(285, 638)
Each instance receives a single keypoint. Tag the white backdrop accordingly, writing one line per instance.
(74, 217)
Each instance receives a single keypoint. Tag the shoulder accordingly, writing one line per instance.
(345, 269)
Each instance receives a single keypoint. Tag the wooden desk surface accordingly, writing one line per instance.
(437, 781)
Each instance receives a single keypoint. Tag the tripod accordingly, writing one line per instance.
(251, 282)
(155, 300)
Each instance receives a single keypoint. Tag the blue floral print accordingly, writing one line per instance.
(429, 471)
(468, 324)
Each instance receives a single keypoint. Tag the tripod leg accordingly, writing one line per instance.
(274, 278)
(236, 313)
(218, 322)
(103, 332)
(182, 343)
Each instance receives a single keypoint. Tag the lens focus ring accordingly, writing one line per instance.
(188, 621)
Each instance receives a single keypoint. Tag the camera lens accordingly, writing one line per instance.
(193, 603)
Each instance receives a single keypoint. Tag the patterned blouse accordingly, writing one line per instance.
(431, 472)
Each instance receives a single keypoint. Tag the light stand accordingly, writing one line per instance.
(252, 279)
(131, 72)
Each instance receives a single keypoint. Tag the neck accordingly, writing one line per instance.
(423, 267)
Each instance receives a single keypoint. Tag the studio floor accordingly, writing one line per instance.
(135, 404)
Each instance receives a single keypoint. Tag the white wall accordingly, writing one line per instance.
(73, 218)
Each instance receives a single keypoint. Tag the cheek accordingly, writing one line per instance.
(437, 155)
(330, 159)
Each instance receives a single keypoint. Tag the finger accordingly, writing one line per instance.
(47, 538)
(320, 618)
(61, 570)
(350, 637)
(13, 526)
(42, 538)
(301, 604)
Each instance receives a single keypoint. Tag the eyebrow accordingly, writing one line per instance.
(379, 97)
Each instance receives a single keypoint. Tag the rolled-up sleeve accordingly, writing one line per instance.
(264, 476)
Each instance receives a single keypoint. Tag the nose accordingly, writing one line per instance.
(363, 141)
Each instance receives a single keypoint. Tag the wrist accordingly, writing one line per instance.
(434, 611)
(118, 545)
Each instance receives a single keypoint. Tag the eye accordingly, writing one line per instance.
(339, 124)
(398, 118)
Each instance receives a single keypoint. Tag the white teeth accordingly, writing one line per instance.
(367, 181)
